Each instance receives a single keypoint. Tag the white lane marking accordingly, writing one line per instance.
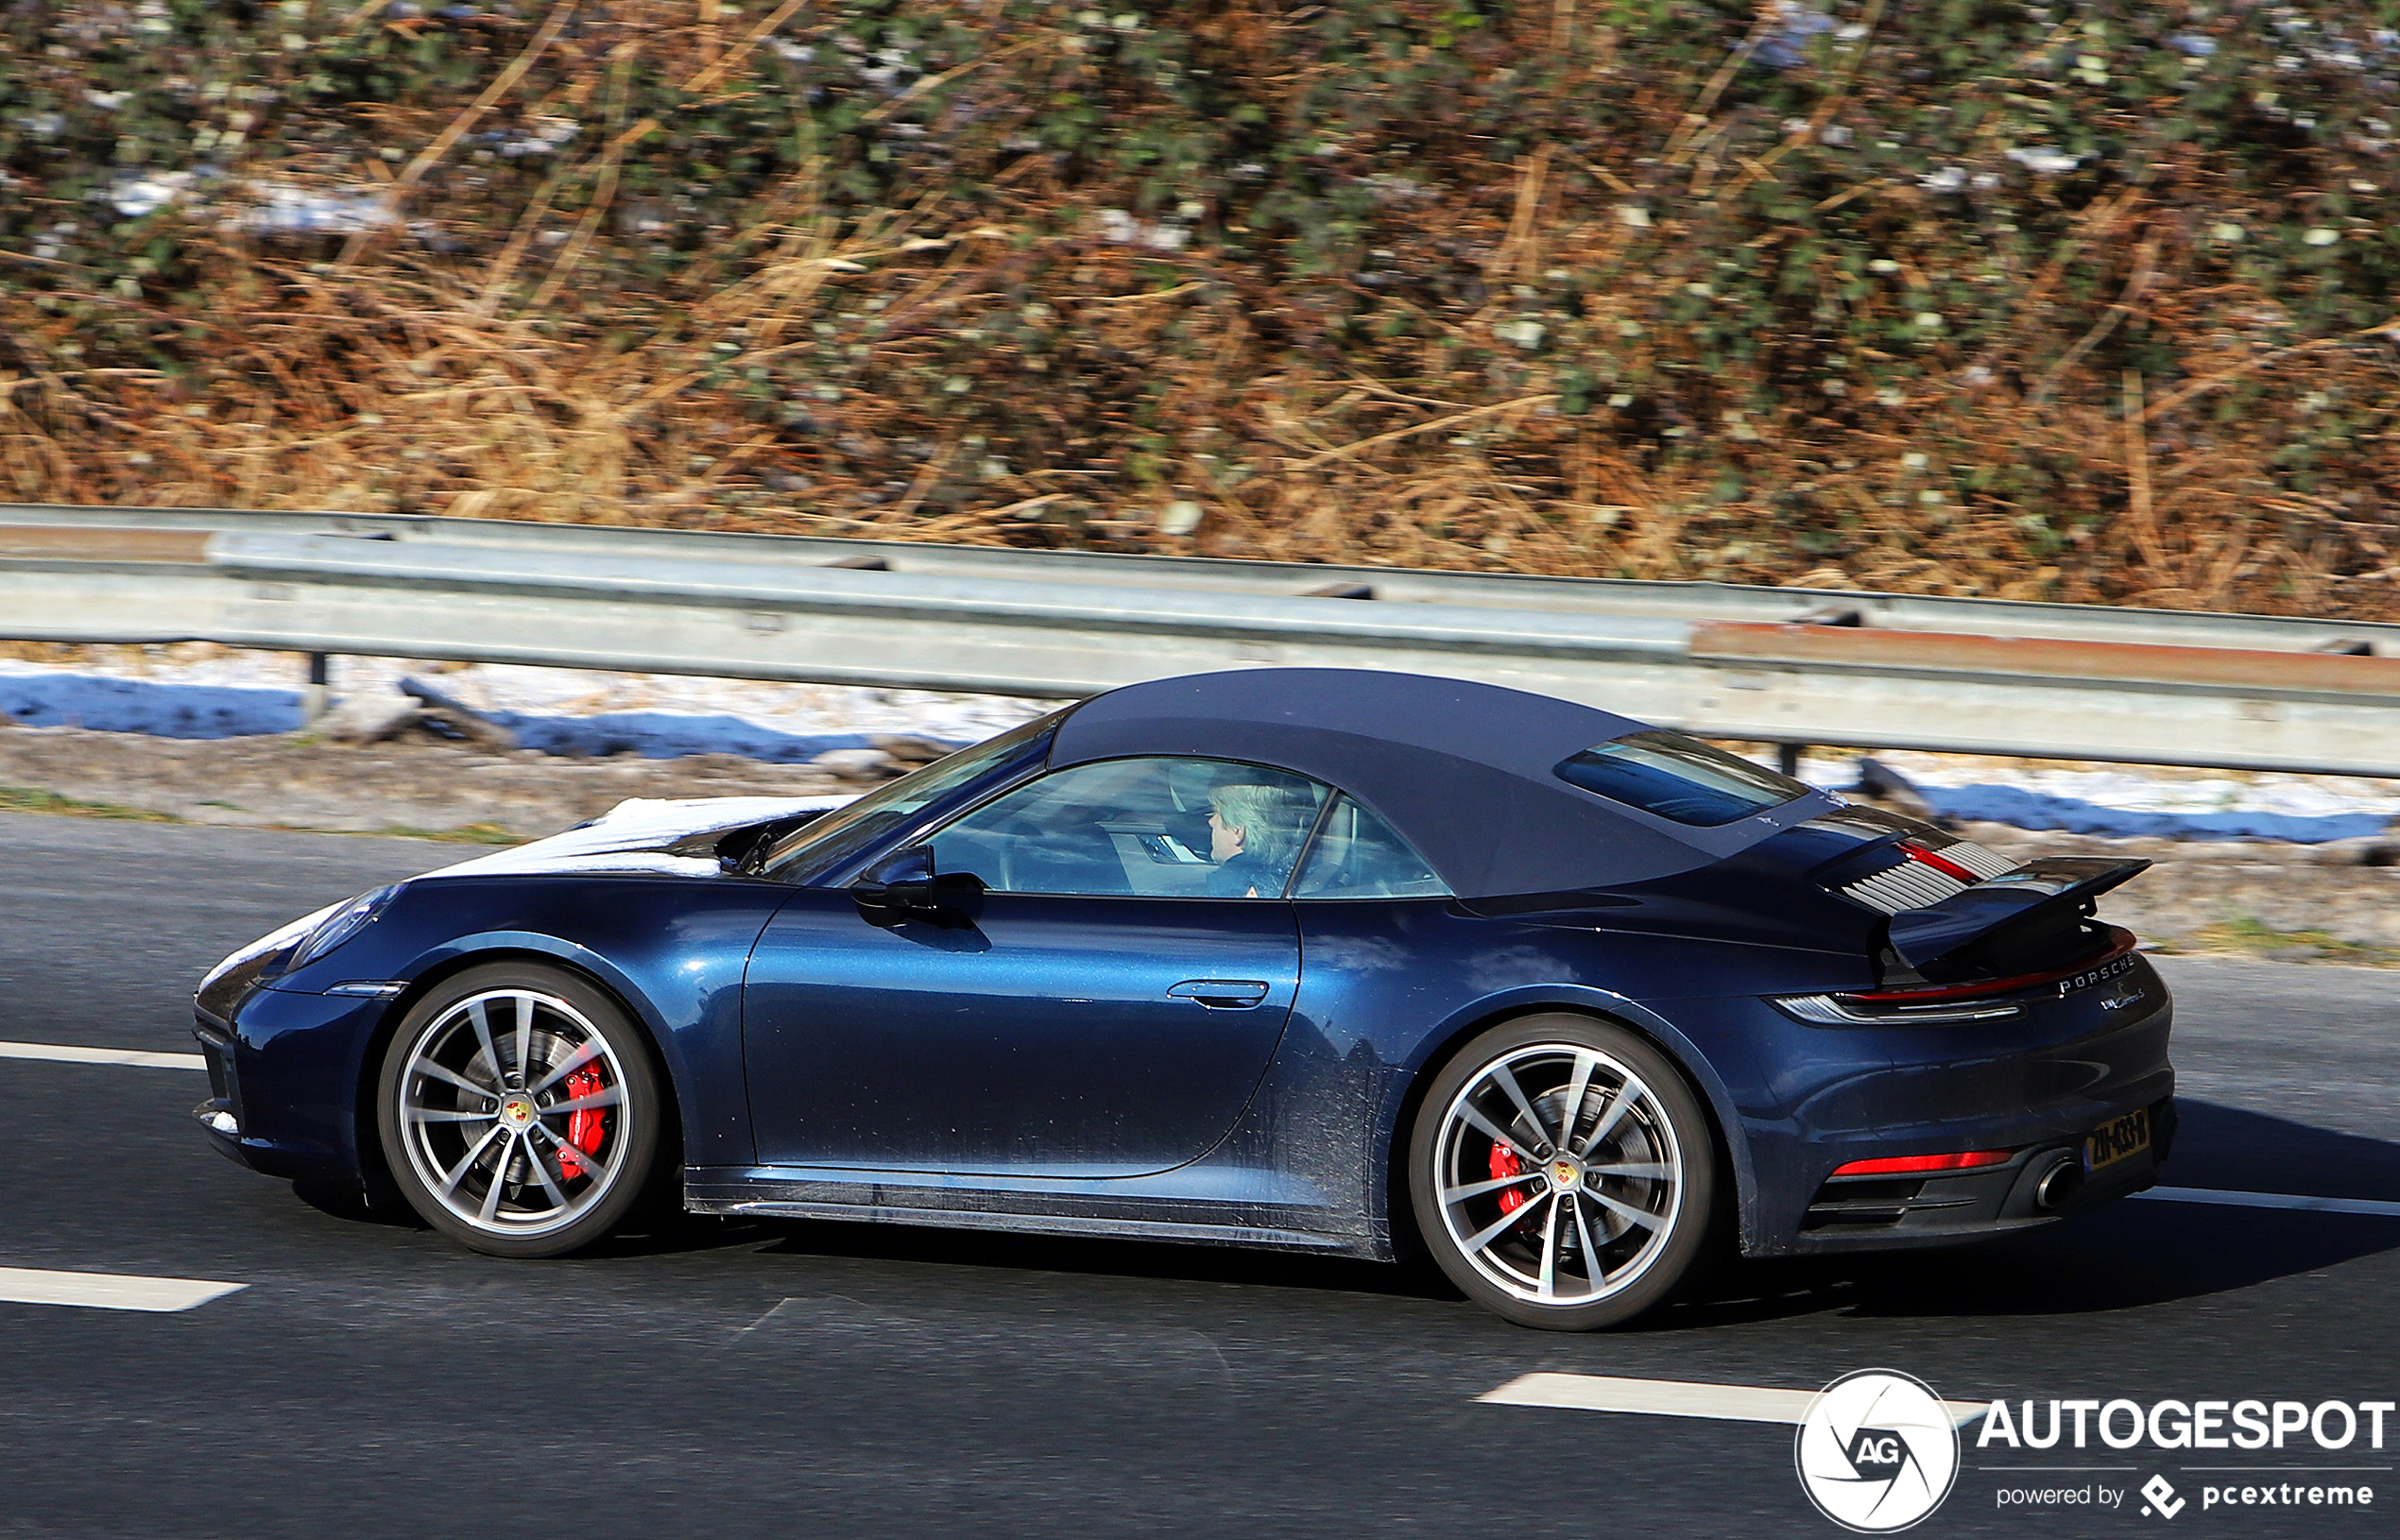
(1673, 1398)
(2273, 1199)
(69, 1053)
(109, 1290)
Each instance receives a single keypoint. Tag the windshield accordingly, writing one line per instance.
(843, 833)
(1669, 776)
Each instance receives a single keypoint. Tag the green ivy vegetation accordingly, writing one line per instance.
(28, 799)
(2079, 301)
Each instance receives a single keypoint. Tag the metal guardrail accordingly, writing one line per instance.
(1783, 665)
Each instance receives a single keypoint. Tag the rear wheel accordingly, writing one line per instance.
(1562, 1172)
(518, 1111)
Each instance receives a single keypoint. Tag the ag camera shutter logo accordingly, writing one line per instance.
(1876, 1452)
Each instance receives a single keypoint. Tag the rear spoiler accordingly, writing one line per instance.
(2050, 889)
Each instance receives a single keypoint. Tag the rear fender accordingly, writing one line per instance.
(1490, 1011)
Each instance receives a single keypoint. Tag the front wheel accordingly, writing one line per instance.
(518, 1111)
(1562, 1172)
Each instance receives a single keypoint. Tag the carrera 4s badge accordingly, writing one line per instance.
(2128, 993)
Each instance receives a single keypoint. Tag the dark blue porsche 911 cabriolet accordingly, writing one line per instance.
(1350, 962)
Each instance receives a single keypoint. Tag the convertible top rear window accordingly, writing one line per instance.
(1672, 777)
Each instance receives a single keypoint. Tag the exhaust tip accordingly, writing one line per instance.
(2058, 1186)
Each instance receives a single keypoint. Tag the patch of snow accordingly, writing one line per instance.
(1118, 226)
(1786, 46)
(2043, 161)
(574, 712)
(2026, 809)
(134, 196)
(35, 696)
(555, 711)
(2130, 802)
(283, 209)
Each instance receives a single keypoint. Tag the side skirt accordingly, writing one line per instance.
(722, 1192)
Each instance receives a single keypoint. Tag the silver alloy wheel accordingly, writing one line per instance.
(1587, 1154)
(512, 1110)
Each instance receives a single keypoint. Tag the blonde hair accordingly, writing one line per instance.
(1264, 814)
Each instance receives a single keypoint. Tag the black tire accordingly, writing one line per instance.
(1645, 1230)
(443, 1069)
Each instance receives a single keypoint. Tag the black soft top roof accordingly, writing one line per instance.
(1466, 772)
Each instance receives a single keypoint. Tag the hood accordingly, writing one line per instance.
(646, 834)
(643, 835)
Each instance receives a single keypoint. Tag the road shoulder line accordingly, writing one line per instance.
(70, 1053)
(109, 1290)
(1671, 1398)
(2302, 1202)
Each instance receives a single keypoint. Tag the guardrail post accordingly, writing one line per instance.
(1787, 759)
(318, 696)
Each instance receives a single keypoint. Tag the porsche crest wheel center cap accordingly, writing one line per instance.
(1564, 1173)
(517, 1111)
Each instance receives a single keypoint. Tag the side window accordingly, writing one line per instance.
(1357, 855)
(1152, 828)
(1669, 776)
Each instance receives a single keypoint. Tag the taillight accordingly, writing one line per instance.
(1851, 1011)
(1920, 1165)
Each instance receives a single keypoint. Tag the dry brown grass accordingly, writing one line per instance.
(976, 356)
(377, 391)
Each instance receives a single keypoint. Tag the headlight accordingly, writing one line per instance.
(339, 926)
(280, 940)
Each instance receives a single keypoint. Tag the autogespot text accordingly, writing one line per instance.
(2183, 1425)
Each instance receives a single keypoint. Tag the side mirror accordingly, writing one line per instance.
(905, 885)
(901, 882)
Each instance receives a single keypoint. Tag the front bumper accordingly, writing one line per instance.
(282, 1078)
(221, 1116)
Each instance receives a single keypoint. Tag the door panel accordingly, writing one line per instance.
(1040, 1035)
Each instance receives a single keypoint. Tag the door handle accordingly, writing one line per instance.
(1222, 994)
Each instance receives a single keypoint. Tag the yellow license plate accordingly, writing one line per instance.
(2112, 1141)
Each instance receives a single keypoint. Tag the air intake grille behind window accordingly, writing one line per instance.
(1986, 864)
(1906, 885)
(1914, 883)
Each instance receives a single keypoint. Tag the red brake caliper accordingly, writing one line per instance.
(1504, 1164)
(585, 1127)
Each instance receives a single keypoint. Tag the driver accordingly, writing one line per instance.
(1253, 834)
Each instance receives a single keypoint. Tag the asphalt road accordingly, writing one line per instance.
(832, 1380)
